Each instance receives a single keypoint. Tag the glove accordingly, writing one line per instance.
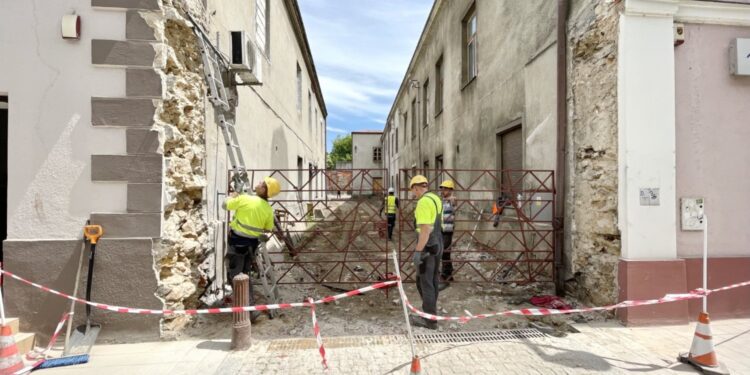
(417, 259)
(264, 238)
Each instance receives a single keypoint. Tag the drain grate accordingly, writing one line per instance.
(434, 338)
(479, 336)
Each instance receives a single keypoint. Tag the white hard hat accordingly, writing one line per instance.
(390, 190)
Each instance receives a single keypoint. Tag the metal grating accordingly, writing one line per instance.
(434, 338)
(479, 336)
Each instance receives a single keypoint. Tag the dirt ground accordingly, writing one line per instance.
(380, 312)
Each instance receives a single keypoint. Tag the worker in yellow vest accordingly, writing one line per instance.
(428, 217)
(253, 220)
(449, 218)
(391, 206)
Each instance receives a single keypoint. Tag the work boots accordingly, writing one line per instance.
(418, 321)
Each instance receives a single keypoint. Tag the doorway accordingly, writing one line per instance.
(510, 157)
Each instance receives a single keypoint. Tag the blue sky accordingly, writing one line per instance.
(361, 50)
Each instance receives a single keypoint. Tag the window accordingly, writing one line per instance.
(316, 119)
(426, 102)
(309, 112)
(413, 118)
(299, 89)
(263, 25)
(377, 154)
(396, 139)
(470, 45)
(439, 86)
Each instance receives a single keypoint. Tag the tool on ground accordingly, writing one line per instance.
(40, 356)
(213, 62)
(702, 354)
(85, 335)
(10, 360)
(69, 329)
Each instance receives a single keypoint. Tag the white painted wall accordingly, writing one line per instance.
(362, 152)
(271, 131)
(646, 102)
(50, 82)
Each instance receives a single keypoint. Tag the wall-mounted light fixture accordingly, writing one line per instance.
(71, 26)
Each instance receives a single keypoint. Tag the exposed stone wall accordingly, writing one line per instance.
(181, 127)
(593, 238)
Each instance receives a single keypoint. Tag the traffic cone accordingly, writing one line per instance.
(416, 367)
(702, 354)
(10, 360)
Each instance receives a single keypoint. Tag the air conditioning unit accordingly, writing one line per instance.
(244, 61)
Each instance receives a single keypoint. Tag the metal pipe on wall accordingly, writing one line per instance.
(562, 126)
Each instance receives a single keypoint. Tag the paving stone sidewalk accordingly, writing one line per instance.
(598, 348)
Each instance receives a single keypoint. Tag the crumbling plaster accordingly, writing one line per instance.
(592, 238)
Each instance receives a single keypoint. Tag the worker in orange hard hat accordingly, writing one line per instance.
(428, 218)
(251, 224)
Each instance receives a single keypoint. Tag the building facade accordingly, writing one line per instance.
(653, 120)
(367, 154)
(115, 127)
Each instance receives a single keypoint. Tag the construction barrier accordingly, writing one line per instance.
(220, 310)
(310, 303)
(693, 294)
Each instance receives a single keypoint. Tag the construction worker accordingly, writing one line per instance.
(429, 248)
(253, 219)
(391, 203)
(449, 204)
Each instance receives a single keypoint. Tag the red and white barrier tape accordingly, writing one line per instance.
(220, 310)
(41, 356)
(36, 354)
(693, 294)
(318, 338)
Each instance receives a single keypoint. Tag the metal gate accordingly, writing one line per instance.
(329, 228)
(328, 225)
(520, 248)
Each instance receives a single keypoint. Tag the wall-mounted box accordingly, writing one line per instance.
(739, 57)
(691, 212)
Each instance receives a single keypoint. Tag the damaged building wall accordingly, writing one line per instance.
(592, 237)
(272, 130)
(180, 123)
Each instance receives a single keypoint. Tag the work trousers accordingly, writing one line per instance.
(429, 278)
(240, 257)
(391, 224)
(447, 270)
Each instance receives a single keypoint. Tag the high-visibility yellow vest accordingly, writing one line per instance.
(390, 204)
(253, 215)
(429, 211)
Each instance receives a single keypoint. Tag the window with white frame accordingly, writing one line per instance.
(263, 25)
(299, 89)
(470, 45)
(377, 154)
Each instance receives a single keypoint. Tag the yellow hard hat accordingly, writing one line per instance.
(448, 184)
(272, 186)
(418, 179)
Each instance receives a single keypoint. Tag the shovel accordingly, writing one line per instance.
(85, 335)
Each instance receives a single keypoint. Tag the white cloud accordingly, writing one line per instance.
(361, 51)
(336, 130)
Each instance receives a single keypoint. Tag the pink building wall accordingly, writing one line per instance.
(713, 140)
